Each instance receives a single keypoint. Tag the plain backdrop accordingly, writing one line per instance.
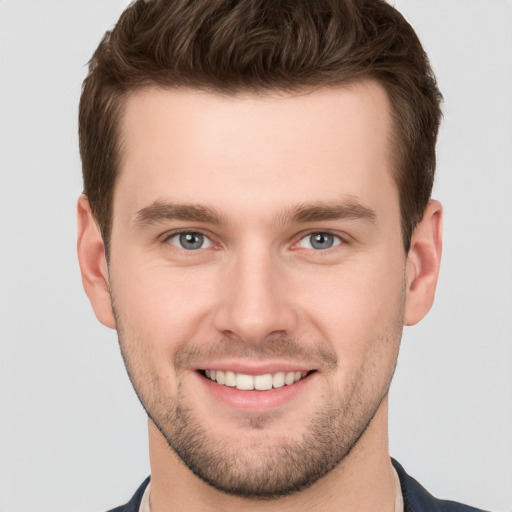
(73, 436)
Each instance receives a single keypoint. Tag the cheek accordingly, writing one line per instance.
(356, 307)
(160, 306)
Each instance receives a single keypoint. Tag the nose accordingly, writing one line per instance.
(253, 303)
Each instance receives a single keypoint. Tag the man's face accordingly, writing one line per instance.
(256, 241)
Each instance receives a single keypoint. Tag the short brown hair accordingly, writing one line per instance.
(234, 46)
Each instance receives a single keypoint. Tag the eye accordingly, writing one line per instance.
(190, 240)
(320, 241)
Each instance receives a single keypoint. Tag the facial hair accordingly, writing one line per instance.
(265, 466)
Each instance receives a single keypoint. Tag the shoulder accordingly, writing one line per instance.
(418, 499)
(134, 504)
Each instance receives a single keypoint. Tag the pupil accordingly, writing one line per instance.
(191, 240)
(322, 240)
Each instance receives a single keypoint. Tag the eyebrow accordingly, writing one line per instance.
(159, 211)
(320, 211)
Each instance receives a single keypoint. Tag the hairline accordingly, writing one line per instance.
(396, 159)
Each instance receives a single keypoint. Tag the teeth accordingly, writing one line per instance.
(263, 382)
(245, 382)
(289, 378)
(230, 379)
(278, 380)
(249, 382)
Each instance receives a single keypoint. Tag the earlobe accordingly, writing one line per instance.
(93, 263)
(423, 262)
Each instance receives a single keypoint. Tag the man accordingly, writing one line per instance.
(257, 226)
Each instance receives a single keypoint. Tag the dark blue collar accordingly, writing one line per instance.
(416, 497)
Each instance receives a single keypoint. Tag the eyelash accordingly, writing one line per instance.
(339, 240)
(168, 236)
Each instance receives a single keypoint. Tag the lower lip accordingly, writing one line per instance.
(256, 400)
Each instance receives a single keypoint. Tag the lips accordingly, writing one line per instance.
(245, 382)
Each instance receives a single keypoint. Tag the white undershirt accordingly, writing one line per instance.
(144, 503)
(399, 500)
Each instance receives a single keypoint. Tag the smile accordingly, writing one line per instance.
(246, 382)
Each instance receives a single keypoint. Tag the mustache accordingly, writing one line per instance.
(276, 347)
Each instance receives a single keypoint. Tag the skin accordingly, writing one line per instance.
(257, 297)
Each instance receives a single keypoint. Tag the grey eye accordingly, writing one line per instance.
(319, 241)
(190, 241)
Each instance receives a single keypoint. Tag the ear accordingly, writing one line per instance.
(93, 263)
(423, 261)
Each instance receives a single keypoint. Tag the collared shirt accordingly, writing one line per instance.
(144, 504)
(399, 500)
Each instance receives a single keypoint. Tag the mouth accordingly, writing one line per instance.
(264, 382)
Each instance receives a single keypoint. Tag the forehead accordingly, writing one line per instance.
(267, 151)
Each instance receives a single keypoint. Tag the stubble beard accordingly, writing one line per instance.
(261, 469)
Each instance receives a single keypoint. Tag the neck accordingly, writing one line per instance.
(363, 481)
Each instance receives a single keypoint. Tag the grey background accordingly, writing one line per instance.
(72, 434)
